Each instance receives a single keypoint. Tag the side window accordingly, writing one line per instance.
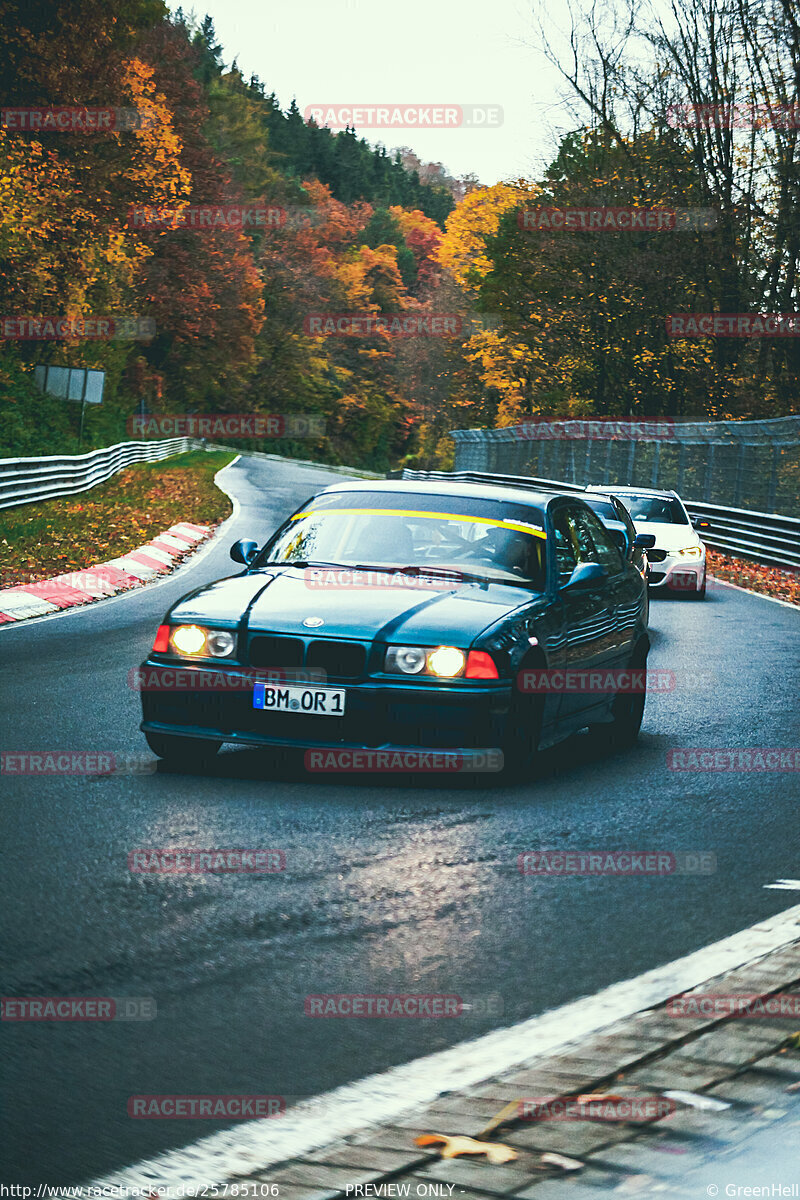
(566, 559)
(604, 549)
(581, 533)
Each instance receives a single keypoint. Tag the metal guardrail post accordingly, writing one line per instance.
(773, 478)
(631, 461)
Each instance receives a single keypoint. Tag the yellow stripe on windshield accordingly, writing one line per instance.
(518, 526)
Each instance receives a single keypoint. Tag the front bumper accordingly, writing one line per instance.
(377, 715)
(676, 574)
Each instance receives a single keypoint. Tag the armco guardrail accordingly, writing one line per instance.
(25, 480)
(764, 537)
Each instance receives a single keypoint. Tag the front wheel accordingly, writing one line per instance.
(182, 751)
(521, 743)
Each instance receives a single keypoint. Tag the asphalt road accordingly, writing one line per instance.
(390, 886)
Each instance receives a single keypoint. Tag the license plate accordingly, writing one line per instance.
(296, 698)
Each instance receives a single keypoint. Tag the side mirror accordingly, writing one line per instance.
(244, 551)
(644, 541)
(586, 575)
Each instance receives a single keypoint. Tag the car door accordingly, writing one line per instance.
(588, 613)
(626, 590)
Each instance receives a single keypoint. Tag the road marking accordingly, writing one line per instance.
(750, 592)
(785, 885)
(377, 1099)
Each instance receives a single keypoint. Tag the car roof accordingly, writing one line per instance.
(531, 497)
(629, 489)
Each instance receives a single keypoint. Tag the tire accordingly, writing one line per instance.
(700, 594)
(182, 751)
(521, 743)
(627, 712)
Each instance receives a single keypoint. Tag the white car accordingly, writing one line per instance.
(678, 559)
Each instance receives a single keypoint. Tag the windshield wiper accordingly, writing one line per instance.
(414, 569)
(304, 562)
(485, 580)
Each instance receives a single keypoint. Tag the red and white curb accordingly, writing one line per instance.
(130, 570)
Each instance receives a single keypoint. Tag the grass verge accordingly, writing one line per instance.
(72, 533)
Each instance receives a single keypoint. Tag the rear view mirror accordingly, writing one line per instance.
(586, 575)
(644, 541)
(244, 551)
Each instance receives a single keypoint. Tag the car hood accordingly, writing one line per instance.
(282, 601)
(668, 536)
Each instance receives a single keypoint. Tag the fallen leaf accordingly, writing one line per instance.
(454, 1146)
(634, 1183)
(560, 1160)
(692, 1100)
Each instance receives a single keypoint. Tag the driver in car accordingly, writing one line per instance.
(507, 550)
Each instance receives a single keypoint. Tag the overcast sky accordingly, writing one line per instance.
(456, 52)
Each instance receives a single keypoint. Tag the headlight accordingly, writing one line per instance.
(443, 661)
(194, 642)
(446, 662)
(691, 552)
(408, 660)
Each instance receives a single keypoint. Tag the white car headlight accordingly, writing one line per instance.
(691, 552)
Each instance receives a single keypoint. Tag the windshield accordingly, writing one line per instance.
(360, 529)
(665, 509)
